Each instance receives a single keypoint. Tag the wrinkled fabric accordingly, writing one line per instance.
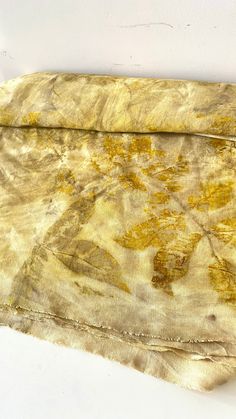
(118, 220)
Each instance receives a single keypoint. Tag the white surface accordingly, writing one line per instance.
(187, 39)
(39, 380)
(161, 38)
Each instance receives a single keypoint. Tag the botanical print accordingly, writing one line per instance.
(118, 220)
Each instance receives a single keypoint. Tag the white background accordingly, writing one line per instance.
(186, 39)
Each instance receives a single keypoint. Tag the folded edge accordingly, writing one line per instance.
(118, 104)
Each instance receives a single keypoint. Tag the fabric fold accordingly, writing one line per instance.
(118, 104)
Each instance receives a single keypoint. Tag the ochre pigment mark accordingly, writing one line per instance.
(32, 118)
(65, 181)
(169, 176)
(172, 126)
(131, 180)
(158, 198)
(121, 153)
(160, 153)
(171, 261)
(220, 124)
(114, 146)
(6, 118)
(140, 145)
(213, 195)
(225, 230)
(120, 150)
(218, 143)
(223, 122)
(95, 165)
(223, 279)
(153, 232)
(173, 186)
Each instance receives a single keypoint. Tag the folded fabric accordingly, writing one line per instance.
(118, 220)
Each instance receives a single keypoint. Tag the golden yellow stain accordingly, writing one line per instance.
(165, 126)
(131, 180)
(151, 169)
(173, 186)
(223, 279)
(32, 118)
(221, 122)
(123, 287)
(153, 232)
(225, 230)
(160, 153)
(96, 166)
(6, 118)
(140, 145)
(171, 175)
(114, 146)
(158, 198)
(65, 181)
(165, 175)
(213, 195)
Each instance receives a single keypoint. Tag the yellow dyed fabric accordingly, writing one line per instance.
(118, 220)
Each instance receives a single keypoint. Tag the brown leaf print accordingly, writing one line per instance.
(82, 256)
(59, 237)
(118, 221)
(171, 262)
(88, 259)
(223, 279)
(69, 224)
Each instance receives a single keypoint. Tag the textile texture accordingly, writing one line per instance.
(118, 220)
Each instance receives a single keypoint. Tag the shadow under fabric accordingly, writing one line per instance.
(118, 220)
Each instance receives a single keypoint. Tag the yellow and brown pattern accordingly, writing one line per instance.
(118, 220)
